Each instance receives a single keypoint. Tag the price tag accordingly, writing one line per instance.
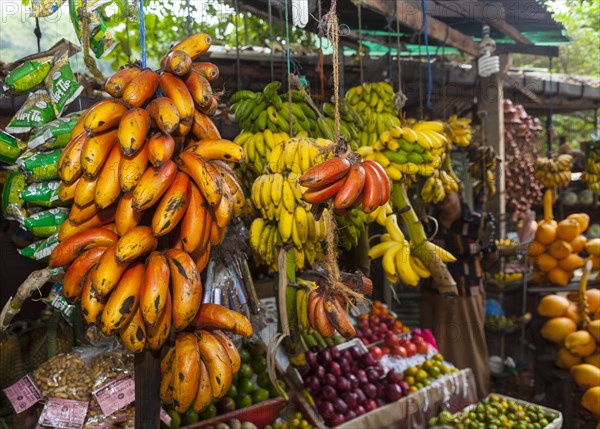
(115, 395)
(165, 417)
(63, 413)
(23, 394)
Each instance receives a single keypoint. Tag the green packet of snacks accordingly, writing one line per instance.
(48, 222)
(43, 8)
(13, 206)
(55, 134)
(40, 249)
(28, 75)
(44, 194)
(10, 148)
(35, 112)
(101, 40)
(61, 84)
(40, 166)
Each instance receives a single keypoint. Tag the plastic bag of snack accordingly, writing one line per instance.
(55, 134)
(64, 376)
(61, 84)
(41, 249)
(101, 40)
(10, 148)
(43, 8)
(46, 223)
(35, 112)
(13, 206)
(28, 75)
(44, 194)
(40, 166)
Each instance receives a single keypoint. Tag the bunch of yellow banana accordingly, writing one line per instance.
(351, 123)
(374, 103)
(554, 172)
(152, 190)
(198, 369)
(381, 213)
(591, 172)
(257, 147)
(441, 183)
(351, 227)
(458, 131)
(480, 156)
(277, 195)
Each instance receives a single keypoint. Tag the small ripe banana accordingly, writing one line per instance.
(177, 62)
(116, 84)
(164, 113)
(186, 287)
(138, 241)
(133, 128)
(123, 301)
(104, 115)
(217, 362)
(172, 206)
(154, 289)
(141, 88)
(95, 151)
(69, 249)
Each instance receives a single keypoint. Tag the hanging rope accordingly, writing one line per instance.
(360, 42)
(271, 56)
(400, 98)
(189, 17)
(550, 112)
(333, 31)
(88, 60)
(142, 33)
(38, 34)
(237, 48)
(429, 71)
(289, 68)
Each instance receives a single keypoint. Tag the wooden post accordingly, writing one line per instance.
(491, 101)
(147, 389)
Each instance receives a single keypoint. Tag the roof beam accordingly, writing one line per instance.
(410, 15)
(518, 48)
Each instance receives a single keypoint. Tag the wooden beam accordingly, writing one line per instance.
(411, 16)
(507, 29)
(518, 48)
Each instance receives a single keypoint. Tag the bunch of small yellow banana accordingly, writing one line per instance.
(152, 190)
(286, 218)
(374, 103)
(442, 182)
(591, 172)
(554, 172)
(198, 369)
(398, 262)
(458, 131)
(480, 156)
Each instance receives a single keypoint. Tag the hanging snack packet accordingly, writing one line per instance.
(43, 8)
(44, 194)
(28, 75)
(40, 249)
(55, 134)
(61, 84)
(10, 148)
(46, 223)
(40, 166)
(13, 206)
(35, 112)
(101, 41)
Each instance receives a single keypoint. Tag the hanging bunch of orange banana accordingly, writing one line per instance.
(349, 182)
(152, 189)
(327, 312)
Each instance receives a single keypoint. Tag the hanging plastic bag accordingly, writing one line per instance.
(40, 166)
(61, 84)
(43, 8)
(35, 112)
(55, 134)
(28, 75)
(44, 194)
(46, 223)
(101, 40)
(13, 206)
(41, 249)
(10, 148)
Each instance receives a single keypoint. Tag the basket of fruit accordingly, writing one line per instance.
(499, 411)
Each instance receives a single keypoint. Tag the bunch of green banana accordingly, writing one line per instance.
(554, 172)
(351, 123)
(458, 131)
(286, 218)
(497, 323)
(478, 157)
(350, 228)
(374, 103)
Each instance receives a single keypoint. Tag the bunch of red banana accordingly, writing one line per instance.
(349, 184)
(201, 365)
(152, 192)
(327, 313)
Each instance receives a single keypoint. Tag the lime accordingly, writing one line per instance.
(208, 413)
(245, 385)
(190, 417)
(260, 395)
(259, 364)
(175, 419)
(243, 400)
(263, 380)
(432, 422)
(233, 391)
(245, 371)
(421, 375)
(245, 356)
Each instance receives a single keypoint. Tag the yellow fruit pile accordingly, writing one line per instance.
(458, 131)
(556, 246)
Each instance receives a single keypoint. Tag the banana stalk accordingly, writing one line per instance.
(582, 306)
(548, 200)
(421, 247)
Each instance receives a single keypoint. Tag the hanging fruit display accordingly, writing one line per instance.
(154, 192)
(458, 131)
(554, 172)
(351, 123)
(556, 246)
(591, 172)
(483, 164)
(520, 132)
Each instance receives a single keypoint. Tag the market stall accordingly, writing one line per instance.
(211, 257)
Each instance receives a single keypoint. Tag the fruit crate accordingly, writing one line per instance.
(261, 414)
(556, 424)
